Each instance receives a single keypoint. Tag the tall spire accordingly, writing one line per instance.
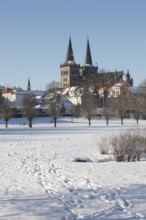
(28, 85)
(70, 55)
(88, 58)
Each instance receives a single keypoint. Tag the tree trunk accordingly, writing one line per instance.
(137, 121)
(55, 119)
(6, 124)
(30, 123)
(107, 122)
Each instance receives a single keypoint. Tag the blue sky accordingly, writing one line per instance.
(34, 37)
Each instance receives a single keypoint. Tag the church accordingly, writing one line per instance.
(72, 74)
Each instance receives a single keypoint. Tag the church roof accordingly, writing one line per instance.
(110, 85)
(88, 58)
(116, 76)
(69, 55)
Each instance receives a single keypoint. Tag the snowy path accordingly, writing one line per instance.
(40, 180)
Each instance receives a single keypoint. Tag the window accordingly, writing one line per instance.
(65, 79)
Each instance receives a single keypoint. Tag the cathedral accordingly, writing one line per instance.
(72, 74)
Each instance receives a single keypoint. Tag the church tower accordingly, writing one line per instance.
(28, 85)
(69, 70)
(88, 69)
(88, 58)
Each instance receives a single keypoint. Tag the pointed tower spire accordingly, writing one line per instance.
(28, 85)
(88, 58)
(69, 55)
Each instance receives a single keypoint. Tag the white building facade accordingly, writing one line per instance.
(15, 96)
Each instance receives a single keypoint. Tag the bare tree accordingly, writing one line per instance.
(136, 106)
(28, 108)
(121, 104)
(142, 92)
(5, 110)
(89, 98)
(75, 111)
(105, 80)
(53, 100)
(1, 100)
(108, 110)
(52, 85)
(89, 104)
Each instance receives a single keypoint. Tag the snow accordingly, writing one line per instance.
(71, 62)
(40, 179)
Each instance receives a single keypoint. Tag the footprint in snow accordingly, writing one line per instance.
(140, 215)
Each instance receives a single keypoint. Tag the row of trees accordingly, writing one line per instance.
(28, 106)
(120, 106)
(125, 104)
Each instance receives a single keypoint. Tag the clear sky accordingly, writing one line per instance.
(34, 37)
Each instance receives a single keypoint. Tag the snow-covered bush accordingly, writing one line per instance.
(103, 145)
(119, 148)
(129, 146)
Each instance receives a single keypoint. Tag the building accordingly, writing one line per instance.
(15, 96)
(73, 74)
(73, 94)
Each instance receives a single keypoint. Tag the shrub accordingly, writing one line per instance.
(119, 148)
(103, 145)
(129, 146)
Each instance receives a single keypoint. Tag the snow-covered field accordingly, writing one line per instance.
(39, 178)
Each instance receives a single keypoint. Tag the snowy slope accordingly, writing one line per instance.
(39, 178)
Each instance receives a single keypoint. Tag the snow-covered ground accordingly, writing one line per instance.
(39, 178)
